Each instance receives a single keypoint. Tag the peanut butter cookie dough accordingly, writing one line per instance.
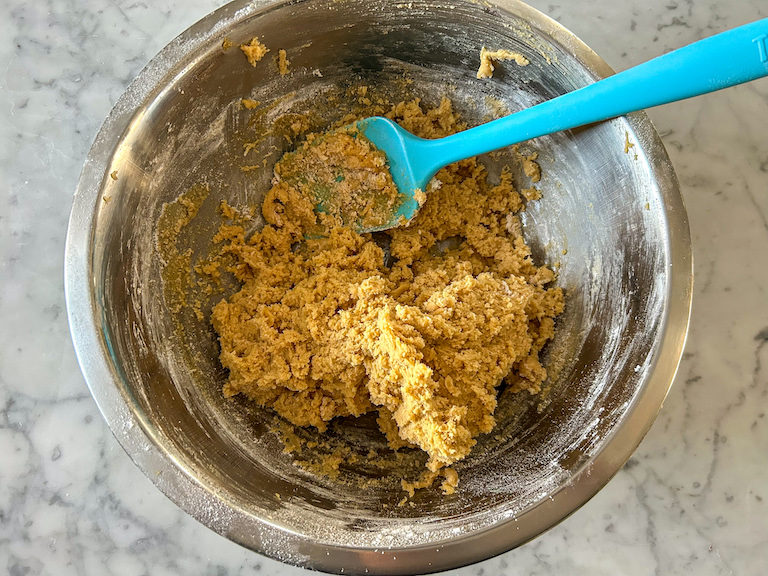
(489, 57)
(342, 174)
(254, 51)
(283, 63)
(419, 324)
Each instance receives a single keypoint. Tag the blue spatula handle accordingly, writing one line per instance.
(724, 60)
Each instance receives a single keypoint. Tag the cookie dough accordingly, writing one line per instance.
(282, 62)
(531, 168)
(420, 324)
(340, 173)
(488, 57)
(254, 51)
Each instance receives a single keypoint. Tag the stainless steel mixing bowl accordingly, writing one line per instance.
(612, 219)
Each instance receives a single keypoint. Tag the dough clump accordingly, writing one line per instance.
(488, 57)
(420, 324)
(254, 51)
(283, 62)
(342, 174)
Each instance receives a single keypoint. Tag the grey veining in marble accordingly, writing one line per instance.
(693, 499)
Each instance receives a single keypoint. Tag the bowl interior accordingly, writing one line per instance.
(602, 222)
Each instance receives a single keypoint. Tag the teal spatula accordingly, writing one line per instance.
(727, 59)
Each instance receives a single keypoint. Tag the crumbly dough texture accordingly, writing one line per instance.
(339, 172)
(333, 326)
(488, 57)
(254, 51)
(531, 168)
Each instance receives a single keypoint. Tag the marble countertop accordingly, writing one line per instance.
(692, 500)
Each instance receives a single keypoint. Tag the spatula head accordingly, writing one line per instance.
(402, 150)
